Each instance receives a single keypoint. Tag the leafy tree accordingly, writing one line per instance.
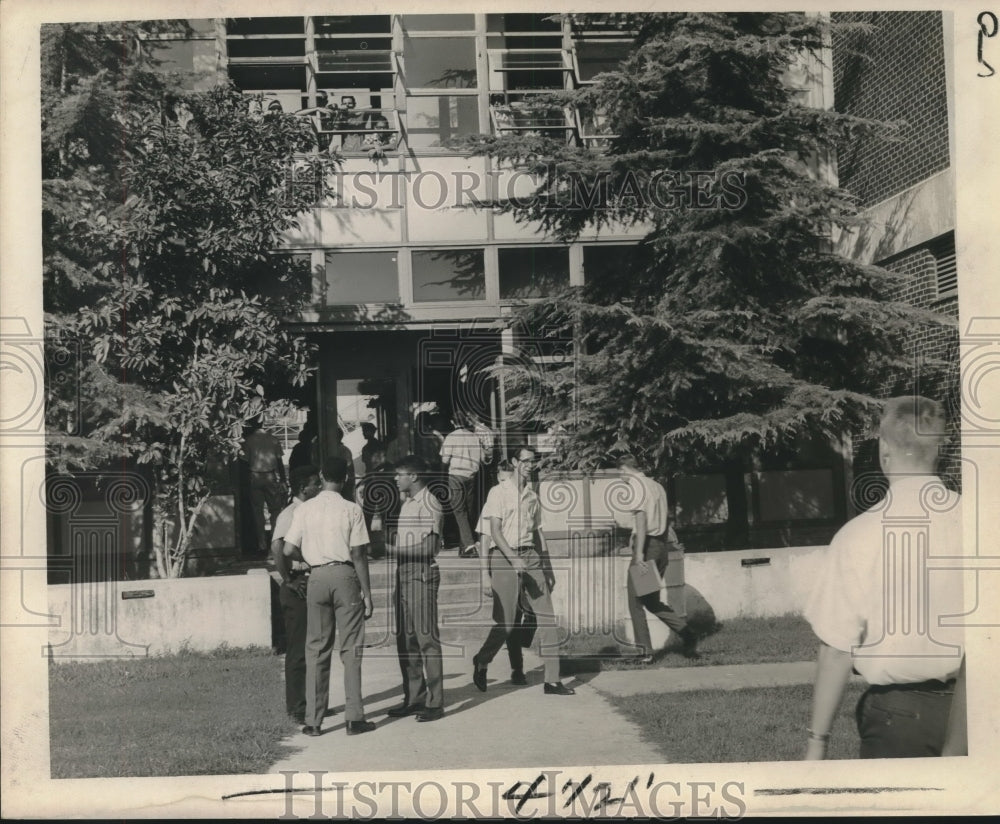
(161, 208)
(735, 329)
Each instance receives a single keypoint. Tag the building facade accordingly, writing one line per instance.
(413, 286)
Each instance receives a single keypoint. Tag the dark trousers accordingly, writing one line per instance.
(520, 637)
(460, 491)
(334, 604)
(293, 611)
(265, 487)
(655, 553)
(418, 641)
(904, 721)
(530, 589)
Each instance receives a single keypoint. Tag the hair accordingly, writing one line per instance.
(335, 470)
(515, 453)
(340, 433)
(300, 476)
(367, 427)
(627, 459)
(414, 464)
(505, 466)
(345, 97)
(914, 425)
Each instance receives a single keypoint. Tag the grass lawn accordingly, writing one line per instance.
(712, 726)
(735, 641)
(185, 714)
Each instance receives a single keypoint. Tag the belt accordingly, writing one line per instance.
(932, 685)
(333, 563)
(525, 548)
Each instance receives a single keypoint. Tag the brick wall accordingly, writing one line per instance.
(900, 77)
(920, 289)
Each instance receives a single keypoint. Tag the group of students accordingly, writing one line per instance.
(319, 545)
(914, 703)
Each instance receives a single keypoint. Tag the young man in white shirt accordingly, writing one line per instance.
(292, 593)
(653, 538)
(519, 568)
(418, 641)
(878, 608)
(328, 533)
(462, 454)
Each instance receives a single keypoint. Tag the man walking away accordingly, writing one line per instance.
(329, 534)
(878, 609)
(418, 642)
(292, 594)
(653, 537)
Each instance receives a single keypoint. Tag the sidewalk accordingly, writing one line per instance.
(509, 726)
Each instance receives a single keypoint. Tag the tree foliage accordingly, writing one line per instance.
(735, 327)
(161, 209)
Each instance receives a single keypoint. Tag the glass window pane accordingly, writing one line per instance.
(362, 277)
(449, 274)
(353, 24)
(265, 25)
(608, 262)
(439, 22)
(432, 121)
(533, 271)
(440, 62)
(596, 57)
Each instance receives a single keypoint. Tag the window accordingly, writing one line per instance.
(943, 250)
(433, 121)
(528, 69)
(546, 22)
(264, 25)
(592, 128)
(608, 262)
(353, 24)
(516, 113)
(591, 57)
(448, 274)
(439, 62)
(533, 271)
(438, 22)
(362, 277)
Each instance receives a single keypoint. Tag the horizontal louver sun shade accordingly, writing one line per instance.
(943, 250)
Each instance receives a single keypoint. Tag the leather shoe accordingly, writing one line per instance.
(311, 731)
(518, 679)
(558, 689)
(358, 727)
(431, 714)
(405, 709)
(479, 675)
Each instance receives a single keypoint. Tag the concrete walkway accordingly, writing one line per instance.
(509, 726)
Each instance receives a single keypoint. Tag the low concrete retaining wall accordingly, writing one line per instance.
(136, 618)
(590, 591)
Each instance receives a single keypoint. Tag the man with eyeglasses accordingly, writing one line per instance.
(519, 569)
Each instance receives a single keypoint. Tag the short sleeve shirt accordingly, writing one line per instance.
(646, 495)
(281, 525)
(326, 527)
(464, 452)
(419, 517)
(519, 511)
(886, 591)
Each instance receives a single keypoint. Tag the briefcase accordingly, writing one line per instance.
(644, 580)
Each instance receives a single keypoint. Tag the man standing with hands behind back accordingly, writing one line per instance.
(328, 533)
(292, 594)
(418, 642)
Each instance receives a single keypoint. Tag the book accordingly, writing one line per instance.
(645, 579)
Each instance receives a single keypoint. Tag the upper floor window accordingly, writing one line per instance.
(362, 277)
(439, 62)
(448, 274)
(438, 22)
(533, 271)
